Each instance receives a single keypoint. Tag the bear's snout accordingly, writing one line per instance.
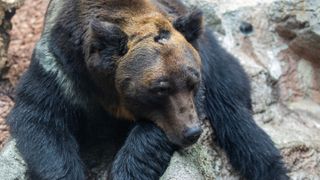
(191, 135)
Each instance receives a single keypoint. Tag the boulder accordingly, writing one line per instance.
(12, 165)
(7, 10)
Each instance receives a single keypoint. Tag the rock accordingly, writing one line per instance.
(277, 42)
(11, 163)
(5, 106)
(7, 10)
(9, 4)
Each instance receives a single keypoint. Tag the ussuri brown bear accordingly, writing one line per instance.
(138, 76)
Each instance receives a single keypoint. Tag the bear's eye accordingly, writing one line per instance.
(161, 89)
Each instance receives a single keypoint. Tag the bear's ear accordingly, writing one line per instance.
(107, 36)
(190, 25)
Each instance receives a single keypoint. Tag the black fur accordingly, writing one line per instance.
(190, 25)
(146, 150)
(44, 125)
(51, 128)
(228, 106)
(116, 38)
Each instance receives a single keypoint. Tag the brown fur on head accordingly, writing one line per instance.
(145, 65)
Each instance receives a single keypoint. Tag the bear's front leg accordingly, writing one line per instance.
(145, 155)
(46, 144)
(250, 150)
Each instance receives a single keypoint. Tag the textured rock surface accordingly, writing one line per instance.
(7, 9)
(11, 164)
(26, 28)
(277, 41)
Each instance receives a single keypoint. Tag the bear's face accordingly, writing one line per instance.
(157, 80)
(152, 69)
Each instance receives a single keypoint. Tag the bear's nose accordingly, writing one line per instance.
(191, 135)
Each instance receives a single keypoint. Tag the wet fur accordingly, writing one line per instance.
(57, 110)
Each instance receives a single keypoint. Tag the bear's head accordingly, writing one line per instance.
(148, 69)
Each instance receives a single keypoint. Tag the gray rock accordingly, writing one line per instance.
(12, 166)
(6, 7)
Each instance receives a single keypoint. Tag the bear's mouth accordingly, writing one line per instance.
(184, 143)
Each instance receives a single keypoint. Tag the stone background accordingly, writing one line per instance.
(278, 43)
(25, 27)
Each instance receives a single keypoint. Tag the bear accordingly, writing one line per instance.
(138, 76)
